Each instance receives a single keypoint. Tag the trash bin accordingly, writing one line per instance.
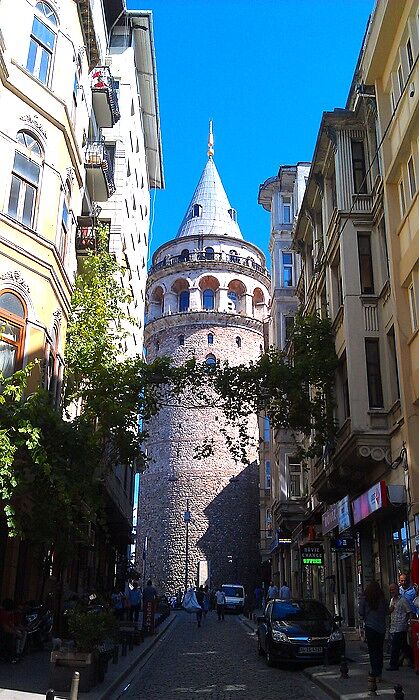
(414, 627)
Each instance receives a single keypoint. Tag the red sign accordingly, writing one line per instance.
(370, 501)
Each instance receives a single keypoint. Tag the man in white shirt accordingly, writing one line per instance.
(285, 591)
(220, 599)
(400, 612)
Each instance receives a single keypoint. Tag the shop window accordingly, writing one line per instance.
(365, 263)
(375, 389)
(12, 332)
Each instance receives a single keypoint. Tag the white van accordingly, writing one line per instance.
(234, 597)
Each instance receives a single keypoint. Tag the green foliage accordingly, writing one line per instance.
(90, 630)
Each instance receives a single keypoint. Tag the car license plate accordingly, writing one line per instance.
(310, 650)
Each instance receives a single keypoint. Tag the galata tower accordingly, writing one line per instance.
(207, 297)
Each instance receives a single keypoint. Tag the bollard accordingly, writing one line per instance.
(50, 694)
(74, 692)
(398, 692)
(372, 685)
(344, 670)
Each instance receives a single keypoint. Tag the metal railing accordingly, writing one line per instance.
(101, 79)
(199, 256)
(97, 155)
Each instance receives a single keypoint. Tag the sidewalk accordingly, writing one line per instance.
(355, 687)
(28, 680)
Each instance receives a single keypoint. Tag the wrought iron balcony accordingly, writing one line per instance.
(99, 171)
(198, 256)
(104, 97)
(86, 234)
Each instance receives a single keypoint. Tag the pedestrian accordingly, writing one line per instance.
(285, 591)
(149, 607)
(407, 590)
(200, 596)
(207, 602)
(400, 612)
(12, 633)
(272, 591)
(118, 603)
(134, 597)
(373, 610)
(220, 598)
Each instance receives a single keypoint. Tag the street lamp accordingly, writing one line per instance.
(187, 520)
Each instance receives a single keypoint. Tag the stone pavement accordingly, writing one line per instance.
(355, 687)
(28, 680)
(219, 661)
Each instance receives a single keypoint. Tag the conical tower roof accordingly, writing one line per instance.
(213, 214)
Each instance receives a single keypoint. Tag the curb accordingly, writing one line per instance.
(107, 694)
(332, 692)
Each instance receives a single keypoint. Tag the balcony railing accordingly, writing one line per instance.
(105, 97)
(86, 235)
(99, 171)
(201, 256)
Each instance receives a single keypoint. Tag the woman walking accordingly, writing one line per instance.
(373, 610)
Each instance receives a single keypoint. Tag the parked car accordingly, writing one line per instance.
(234, 597)
(299, 631)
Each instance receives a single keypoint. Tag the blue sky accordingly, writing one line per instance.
(264, 71)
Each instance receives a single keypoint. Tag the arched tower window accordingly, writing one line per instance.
(233, 299)
(209, 253)
(196, 211)
(42, 42)
(234, 257)
(25, 179)
(210, 360)
(184, 256)
(208, 299)
(210, 338)
(181, 340)
(238, 341)
(233, 214)
(12, 332)
(184, 300)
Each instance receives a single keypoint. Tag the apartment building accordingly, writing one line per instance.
(282, 478)
(357, 236)
(70, 140)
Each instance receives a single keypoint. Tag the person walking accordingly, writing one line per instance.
(220, 598)
(200, 596)
(407, 590)
(134, 598)
(373, 610)
(207, 603)
(149, 607)
(272, 591)
(118, 603)
(400, 612)
(285, 591)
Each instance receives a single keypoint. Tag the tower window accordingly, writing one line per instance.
(210, 338)
(208, 299)
(181, 340)
(287, 269)
(210, 360)
(184, 300)
(196, 211)
(209, 253)
(238, 341)
(184, 256)
(233, 214)
(234, 257)
(286, 210)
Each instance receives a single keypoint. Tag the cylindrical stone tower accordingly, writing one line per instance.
(207, 297)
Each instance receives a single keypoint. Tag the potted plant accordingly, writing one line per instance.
(89, 631)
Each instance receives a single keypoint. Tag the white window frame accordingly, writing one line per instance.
(288, 266)
(413, 307)
(41, 46)
(286, 206)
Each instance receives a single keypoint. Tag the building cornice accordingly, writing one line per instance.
(203, 319)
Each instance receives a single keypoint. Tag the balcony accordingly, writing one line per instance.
(86, 235)
(99, 172)
(104, 97)
(197, 257)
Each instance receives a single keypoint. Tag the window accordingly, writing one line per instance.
(233, 299)
(413, 307)
(12, 331)
(402, 197)
(266, 429)
(184, 256)
(394, 373)
(208, 299)
(181, 340)
(286, 210)
(210, 360)
(210, 339)
(375, 390)
(412, 177)
(295, 477)
(234, 257)
(25, 179)
(233, 214)
(340, 285)
(384, 249)
(400, 78)
(54, 369)
(268, 519)
(74, 98)
(209, 253)
(343, 376)
(358, 167)
(267, 474)
(64, 231)
(196, 211)
(184, 300)
(42, 42)
(288, 326)
(287, 270)
(409, 54)
(365, 263)
(238, 341)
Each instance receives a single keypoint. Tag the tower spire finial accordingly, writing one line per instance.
(210, 141)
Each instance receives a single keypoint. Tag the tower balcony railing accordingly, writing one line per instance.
(199, 256)
(104, 97)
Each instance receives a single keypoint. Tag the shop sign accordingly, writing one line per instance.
(343, 544)
(312, 555)
(344, 514)
(370, 501)
(330, 519)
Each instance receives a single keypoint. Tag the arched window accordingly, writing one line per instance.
(12, 332)
(210, 360)
(184, 256)
(233, 299)
(157, 346)
(181, 340)
(42, 42)
(238, 341)
(196, 211)
(233, 214)
(208, 299)
(210, 338)
(184, 300)
(234, 257)
(209, 253)
(65, 221)
(25, 179)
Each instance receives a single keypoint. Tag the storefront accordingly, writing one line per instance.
(312, 571)
(341, 588)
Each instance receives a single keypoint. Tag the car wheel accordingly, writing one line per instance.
(270, 659)
(260, 649)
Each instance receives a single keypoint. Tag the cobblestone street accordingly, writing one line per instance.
(216, 662)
